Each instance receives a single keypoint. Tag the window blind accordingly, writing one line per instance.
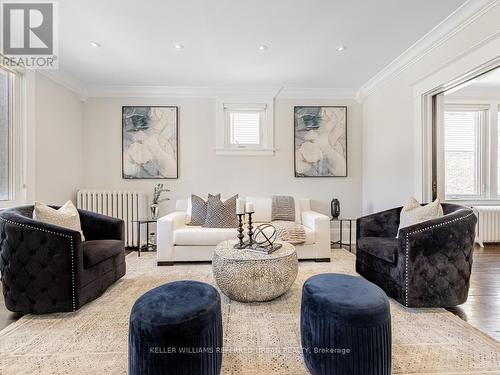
(460, 130)
(461, 146)
(245, 128)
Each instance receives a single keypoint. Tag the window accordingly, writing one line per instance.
(244, 129)
(498, 149)
(471, 159)
(5, 136)
(10, 136)
(462, 149)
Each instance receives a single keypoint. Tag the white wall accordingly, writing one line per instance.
(392, 155)
(57, 158)
(201, 171)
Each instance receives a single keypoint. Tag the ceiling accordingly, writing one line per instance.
(488, 80)
(486, 85)
(221, 40)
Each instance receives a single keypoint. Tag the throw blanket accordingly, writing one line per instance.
(290, 232)
(283, 208)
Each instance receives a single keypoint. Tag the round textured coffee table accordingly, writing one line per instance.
(246, 276)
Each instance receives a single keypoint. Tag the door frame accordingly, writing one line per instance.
(426, 103)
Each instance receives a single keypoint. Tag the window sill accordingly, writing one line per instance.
(245, 151)
(474, 202)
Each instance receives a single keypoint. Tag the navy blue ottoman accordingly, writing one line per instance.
(176, 329)
(345, 326)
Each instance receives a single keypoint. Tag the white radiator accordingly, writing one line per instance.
(488, 223)
(121, 204)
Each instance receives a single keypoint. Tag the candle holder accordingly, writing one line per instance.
(240, 244)
(250, 229)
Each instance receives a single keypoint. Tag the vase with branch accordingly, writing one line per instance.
(157, 199)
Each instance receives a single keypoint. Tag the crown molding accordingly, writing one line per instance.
(450, 26)
(178, 92)
(217, 92)
(65, 80)
(317, 93)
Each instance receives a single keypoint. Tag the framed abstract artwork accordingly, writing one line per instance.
(320, 134)
(150, 142)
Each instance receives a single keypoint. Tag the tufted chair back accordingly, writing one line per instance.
(428, 265)
(41, 264)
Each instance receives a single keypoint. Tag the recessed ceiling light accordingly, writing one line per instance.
(95, 44)
(263, 47)
(178, 46)
(341, 48)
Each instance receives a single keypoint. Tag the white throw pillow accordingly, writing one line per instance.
(67, 216)
(413, 213)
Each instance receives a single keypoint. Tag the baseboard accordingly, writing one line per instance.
(322, 260)
(164, 263)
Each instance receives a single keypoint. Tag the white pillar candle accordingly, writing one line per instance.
(249, 208)
(240, 206)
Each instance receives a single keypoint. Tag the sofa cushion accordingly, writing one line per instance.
(95, 252)
(262, 207)
(385, 248)
(189, 235)
(198, 236)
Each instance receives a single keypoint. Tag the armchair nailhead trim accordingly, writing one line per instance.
(72, 253)
(407, 250)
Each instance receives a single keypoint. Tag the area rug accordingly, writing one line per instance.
(259, 338)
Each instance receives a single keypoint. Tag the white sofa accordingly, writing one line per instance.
(179, 242)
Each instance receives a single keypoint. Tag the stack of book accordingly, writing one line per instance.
(264, 249)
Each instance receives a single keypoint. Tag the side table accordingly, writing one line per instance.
(148, 245)
(341, 221)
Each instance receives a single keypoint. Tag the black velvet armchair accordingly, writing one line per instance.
(47, 268)
(428, 265)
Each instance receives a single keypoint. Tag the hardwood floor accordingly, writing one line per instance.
(482, 309)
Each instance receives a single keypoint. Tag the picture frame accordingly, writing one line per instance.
(320, 141)
(150, 142)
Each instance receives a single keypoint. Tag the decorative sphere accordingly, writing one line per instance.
(265, 235)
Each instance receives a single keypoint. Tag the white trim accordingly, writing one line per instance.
(450, 26)
(477, 60)
(179, 92)
(215, 92)
(194, 91)
(222, 127)
(245, 151)
(317, 93)
(485, 50)
(245, 107)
